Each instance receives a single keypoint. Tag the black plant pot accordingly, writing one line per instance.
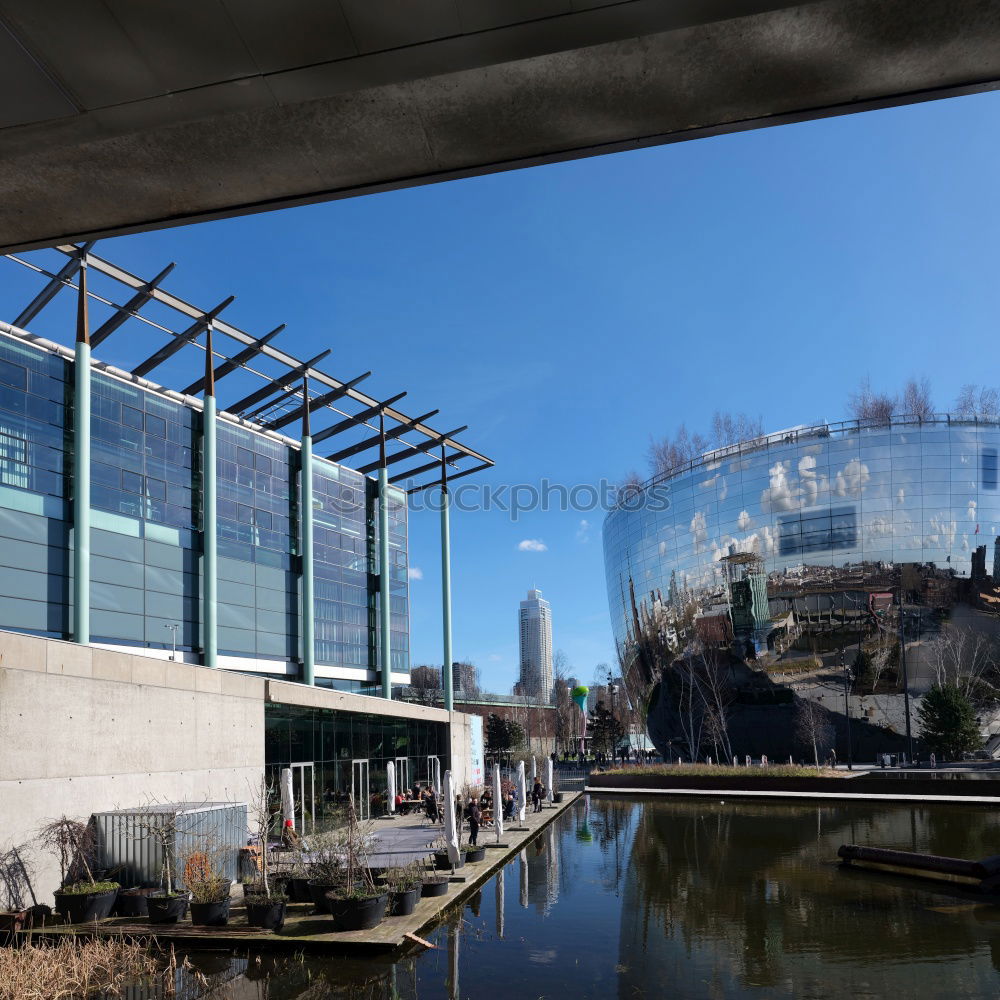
(270, 914)
(132, 902)
(357, 914)
(403, 902)
(557, 797)
(298, 890)
(317, 893)
(474, 854)
(443, 863)
(434, 887)
(167, 909)
(211, 914)
(83, 907)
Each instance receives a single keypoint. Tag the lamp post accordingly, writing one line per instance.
(611, 697)
(173, 640)
(848, 677)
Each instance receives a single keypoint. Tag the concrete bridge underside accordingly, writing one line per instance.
(119, 116)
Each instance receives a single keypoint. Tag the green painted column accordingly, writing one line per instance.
(449, 693)
(81, 468)
(308, 585)
(210, 547)
(383, 580)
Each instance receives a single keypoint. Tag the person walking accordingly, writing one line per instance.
(475, 817)
(537, 793)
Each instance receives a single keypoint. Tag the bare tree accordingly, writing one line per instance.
(871, 407)
(426, 683)
(977, 402)
(562, 699)
(917, 399)
(965, 659)
(734, 428)
(667, 453)
(717, 693)
(812, 726)
(16, 873)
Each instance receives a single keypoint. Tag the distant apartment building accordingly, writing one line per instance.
(535, 627)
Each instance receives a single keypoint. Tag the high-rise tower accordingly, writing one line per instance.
(535, 625)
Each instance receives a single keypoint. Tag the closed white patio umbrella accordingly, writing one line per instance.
(391, 775)
(287, 799)
(450, 826)
(522, 792)
(548, 780)
(497, 802)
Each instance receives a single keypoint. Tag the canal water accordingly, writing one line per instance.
(633, 898)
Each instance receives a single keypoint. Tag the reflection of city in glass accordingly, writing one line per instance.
(811, 525)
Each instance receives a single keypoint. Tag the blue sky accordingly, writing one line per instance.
(569, 312)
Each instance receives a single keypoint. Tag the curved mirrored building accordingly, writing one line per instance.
(809, 531)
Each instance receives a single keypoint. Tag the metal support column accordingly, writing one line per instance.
(446, 677)
(308, 594)
(81, 466)
(383, 567)
(210, 561)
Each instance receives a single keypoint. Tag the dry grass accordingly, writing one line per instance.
(73, 969)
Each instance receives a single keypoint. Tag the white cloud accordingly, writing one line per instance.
(415, 573)
(532, 545)
(900, 495)
(972, 510)
(744, 521)
(780, 494)
(699, 531)
(583, 531)
(494, 658)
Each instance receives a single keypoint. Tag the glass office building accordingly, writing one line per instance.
(812, 528)
(146, 521)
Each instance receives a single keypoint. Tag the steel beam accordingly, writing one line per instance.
(56, 282)
(231, 364)
(277, 384)
(447, 679)
(414, 449)
(169, 349)
(314, 404)
(458, 475)
(376, 410)
(410, 473)
(370, 442)
(384, 600)
(130, 309)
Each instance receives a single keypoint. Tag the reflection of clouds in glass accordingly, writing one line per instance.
(744, 521)
(944, 528)
(878, 527)
(972, 510)
(965, 543)
(780, 494)
(851, 480)
(707, 484)
(699, 531)
(724, 489)
(900, 495)
(663, 548)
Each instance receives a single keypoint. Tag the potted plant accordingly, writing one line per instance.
(265, 905)
(209, 890)
(19, 907)
(404, 886)
(473, 853)
(131, 902)
(325, 871)
(442, 859)
(159, 825)
(557, 796)
(357, 903)
(82, 897)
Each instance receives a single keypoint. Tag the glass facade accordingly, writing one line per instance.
(335, 742)
(146, 549)
(811, 521)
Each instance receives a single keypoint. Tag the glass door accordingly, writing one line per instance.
(359, 788)
(304, 797)
(403, 776)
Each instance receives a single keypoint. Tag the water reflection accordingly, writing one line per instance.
(714, 900)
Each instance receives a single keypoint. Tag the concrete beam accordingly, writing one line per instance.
(440, 101)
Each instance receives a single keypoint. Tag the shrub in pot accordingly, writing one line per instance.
(132, 902)
(167, 907)
(266, 907)
(209, 890)
(473, 853)
(357, 903)
(83, 897)
(265, 904)
(434, 885)
(404, 886)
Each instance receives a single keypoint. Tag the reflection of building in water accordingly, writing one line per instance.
(806, 532)
(552, 872)
(743, 896)
(537, 869)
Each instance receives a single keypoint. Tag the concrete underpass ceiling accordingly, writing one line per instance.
(120, 116)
